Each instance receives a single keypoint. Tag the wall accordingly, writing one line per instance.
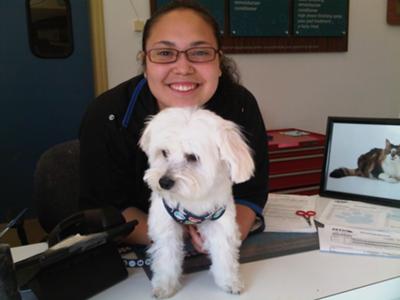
(294, 90)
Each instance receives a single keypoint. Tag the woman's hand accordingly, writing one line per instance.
(139, 234)
(196, 239)
(245, 218)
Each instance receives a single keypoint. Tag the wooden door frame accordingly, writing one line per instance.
(100, 76)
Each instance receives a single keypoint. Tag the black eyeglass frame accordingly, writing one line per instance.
(178, 52)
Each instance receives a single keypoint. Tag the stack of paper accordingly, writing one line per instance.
(361, 228)
(280, 213)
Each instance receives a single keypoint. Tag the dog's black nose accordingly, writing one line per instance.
(166, 183)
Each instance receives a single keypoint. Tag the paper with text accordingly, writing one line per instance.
(359, 241)
(361, 215)
(360, 228)
(280, 213)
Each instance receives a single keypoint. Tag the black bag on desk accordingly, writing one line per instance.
(8, 281)
(77, 266)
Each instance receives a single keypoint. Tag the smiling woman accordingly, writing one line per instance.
(182, 66)
(182, 81)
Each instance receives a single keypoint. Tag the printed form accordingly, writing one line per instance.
(361, 228)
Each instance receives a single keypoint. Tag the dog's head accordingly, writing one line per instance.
(192, 151)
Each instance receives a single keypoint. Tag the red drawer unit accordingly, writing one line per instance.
(296, 158)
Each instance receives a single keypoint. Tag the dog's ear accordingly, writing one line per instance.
(144, 141)
(235, 151)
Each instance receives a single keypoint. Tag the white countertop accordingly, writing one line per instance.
(307, 275)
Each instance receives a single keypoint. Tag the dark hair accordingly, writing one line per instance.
(227, 65)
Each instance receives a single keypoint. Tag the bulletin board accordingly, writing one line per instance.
(268, 26)
(393, 12)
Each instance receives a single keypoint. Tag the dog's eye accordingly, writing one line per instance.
(191, 157)
(164, 153)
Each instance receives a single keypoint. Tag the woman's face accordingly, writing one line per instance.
(182, 83)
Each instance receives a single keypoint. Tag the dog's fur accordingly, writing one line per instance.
(203, 155)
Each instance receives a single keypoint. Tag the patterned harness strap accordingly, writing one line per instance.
(185, 217)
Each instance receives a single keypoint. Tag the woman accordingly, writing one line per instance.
(182, 66)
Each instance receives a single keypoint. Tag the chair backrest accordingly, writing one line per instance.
(56, 184)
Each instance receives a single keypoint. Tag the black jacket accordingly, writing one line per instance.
(112, 165)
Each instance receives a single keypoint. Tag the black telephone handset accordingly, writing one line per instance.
(88, 222)
(81, 266)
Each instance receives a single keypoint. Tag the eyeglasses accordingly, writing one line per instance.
(170, 55)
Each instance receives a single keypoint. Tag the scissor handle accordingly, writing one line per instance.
(301, 213)
(311, 213)
(305, 214)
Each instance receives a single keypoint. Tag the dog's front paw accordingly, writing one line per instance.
(161, 292)
(235, 288)
(232, 286)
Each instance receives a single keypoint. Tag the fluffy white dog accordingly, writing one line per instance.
(195, 156)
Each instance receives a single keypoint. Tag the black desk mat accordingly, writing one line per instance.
(261, 246)
(258, 246)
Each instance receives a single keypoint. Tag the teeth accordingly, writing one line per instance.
(183, 88)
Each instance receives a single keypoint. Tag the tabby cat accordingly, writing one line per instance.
(378, 163)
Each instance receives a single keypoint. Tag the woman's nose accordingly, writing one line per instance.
(183, 65)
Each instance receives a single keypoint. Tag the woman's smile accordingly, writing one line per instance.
(183, 86)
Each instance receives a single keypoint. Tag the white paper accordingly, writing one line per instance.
(358, 241)
(360, 228)
(280, 213)
(356, 214)
(81, 241)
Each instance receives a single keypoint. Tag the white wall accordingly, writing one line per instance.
(294, 90)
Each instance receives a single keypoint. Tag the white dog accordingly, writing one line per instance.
(195, 156)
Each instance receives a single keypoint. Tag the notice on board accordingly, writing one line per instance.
(259, 18)
(216, 8)
(275, 26)
(320, 17)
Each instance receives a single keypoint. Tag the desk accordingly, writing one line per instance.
(307, 275)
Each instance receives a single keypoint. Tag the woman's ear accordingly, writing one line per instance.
(221, 58)
(141, 57)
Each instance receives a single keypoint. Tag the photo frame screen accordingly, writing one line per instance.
(362, 160)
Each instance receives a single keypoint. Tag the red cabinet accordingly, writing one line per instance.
(296, 158)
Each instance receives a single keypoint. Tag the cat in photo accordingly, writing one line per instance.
(383, 164)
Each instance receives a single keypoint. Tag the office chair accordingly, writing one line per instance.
(56, 184)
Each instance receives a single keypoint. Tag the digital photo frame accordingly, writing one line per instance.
(362, 160)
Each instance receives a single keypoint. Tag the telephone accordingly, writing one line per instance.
(82, 258)
(89, 222)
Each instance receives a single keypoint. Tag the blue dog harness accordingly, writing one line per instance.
(185, 217)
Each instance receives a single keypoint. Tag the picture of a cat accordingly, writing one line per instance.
(383, 164)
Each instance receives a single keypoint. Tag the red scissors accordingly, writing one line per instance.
(306, 215)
